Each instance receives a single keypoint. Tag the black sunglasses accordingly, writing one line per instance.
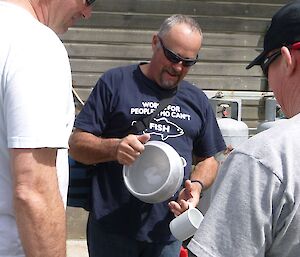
(175, 58)
(268, 60)
(89, 2)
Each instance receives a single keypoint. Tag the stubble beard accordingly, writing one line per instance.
(168, 84)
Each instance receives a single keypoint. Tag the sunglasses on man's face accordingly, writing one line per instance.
(269, 59)
(89, 2)
(175, 58)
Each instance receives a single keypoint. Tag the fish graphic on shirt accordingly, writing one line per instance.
(164, 128)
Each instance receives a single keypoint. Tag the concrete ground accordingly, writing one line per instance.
(77, 248)
(76, 223)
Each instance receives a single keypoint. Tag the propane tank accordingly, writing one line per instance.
(228, 113)
(273, 115)
(233, 129)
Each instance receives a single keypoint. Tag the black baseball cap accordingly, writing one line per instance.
(284, 30)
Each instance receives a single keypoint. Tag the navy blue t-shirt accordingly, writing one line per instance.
(121, 96)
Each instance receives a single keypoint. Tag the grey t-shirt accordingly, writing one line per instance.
(255, 199)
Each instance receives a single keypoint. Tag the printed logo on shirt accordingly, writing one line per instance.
(164, 128)
(173, 111)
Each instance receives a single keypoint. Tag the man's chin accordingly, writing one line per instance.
(169, 85)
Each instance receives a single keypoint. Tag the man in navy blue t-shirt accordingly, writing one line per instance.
(120, 225)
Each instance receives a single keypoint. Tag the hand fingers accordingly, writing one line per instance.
(175, 208)
(130, 148)
(135, 143)
(184, 205)
(126, 159)
(143, 138)
(178, 208)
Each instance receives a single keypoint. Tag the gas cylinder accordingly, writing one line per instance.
(233, 129)
(273, 115)
(228, 113)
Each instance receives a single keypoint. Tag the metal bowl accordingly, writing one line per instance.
(156, 175)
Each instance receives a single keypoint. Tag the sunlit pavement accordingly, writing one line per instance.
(77, 248)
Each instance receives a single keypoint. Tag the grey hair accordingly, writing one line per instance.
(178, 19)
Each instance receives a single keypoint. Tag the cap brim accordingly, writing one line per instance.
(257, 61)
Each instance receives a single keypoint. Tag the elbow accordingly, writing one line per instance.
(24, 195)
(76, 153)
(32, 188)
(73, 148)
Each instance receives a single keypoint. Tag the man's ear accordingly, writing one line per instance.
(289, 60)
(155, 42)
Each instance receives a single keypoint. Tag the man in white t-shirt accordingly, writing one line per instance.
(255, 208)
(36, 119)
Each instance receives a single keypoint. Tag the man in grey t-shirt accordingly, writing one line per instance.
(256, 196)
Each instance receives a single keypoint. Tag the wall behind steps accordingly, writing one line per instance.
(120, 32)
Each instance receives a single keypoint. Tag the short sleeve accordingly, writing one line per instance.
(210, 140)
(94, 116)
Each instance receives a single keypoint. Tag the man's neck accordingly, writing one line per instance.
(28, 5)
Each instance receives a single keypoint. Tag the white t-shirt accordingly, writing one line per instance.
(36, 105)
(255, 199)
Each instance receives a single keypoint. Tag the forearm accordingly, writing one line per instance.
(41, 223)
(89, 149)
(205, 171)
(39, 210)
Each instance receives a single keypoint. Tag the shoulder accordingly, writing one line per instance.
(272, 138)
(34, 38)
(275, 148)
(35, 49)
(45, 40)
(120, 72)
(193, 92)
(191, 88)
(25, 33)
(194, 97)
(114, 79)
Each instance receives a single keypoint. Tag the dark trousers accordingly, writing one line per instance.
(103, 244)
